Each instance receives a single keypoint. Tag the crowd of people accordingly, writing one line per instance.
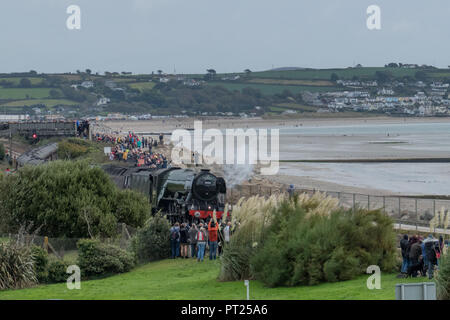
(134, 149)
(12, 162)
(420, 256)
(192, 240)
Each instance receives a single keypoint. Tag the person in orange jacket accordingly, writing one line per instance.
(212, 236)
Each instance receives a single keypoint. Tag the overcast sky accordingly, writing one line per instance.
(228, 35)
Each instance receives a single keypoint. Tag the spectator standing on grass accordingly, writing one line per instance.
(212, 236)
(430, 252)
(184, 237)
(425, 259)
(414, 258)
(192, 239)
(404, 243)
(201, 244)
(175, 240)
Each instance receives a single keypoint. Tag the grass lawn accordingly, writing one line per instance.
(188, 279)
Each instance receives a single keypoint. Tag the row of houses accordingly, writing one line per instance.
(419, 104)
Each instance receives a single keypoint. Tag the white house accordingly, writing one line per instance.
(87, 84)
(103, 101)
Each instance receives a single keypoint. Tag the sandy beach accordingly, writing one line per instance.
(168, 125)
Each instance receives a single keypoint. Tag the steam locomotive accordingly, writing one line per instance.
(181, 194)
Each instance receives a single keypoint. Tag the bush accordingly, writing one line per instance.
(443, 278)
(57, 271)
(303, 250)
(309, 240)
(16, 266)
(68, 199)
(151, 243)
(72, 148)
(40, 258)
(97, 259)
(251, 215)
(2, 152)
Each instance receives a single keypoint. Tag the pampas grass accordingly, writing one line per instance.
(441, 219)
(250, 219)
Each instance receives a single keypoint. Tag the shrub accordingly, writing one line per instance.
(16, 266)
(40, 258)
(96, 258)
(151, 243)
(57, 271)
(132, 207)
(308, 240)
(443, 278)
(251, 216)
(72, 148)
(68, 199)
(2, 152)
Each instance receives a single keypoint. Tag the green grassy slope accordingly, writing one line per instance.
(188, 279)
(24, 93)
(270, 89)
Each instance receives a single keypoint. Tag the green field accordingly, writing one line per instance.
(142, 85)
(440, 74)
(24, 93)
(16, 80)
(291, 82)
(188, 279)
(325, 74)
(269, 89)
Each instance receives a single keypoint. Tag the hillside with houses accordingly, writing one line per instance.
(395, 89)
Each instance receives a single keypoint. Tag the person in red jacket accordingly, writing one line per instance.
(212, 236)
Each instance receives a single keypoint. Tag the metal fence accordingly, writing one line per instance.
(409, 213)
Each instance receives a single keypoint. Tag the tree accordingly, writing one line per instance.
(392, 65)
(55, 94)
(211, 73)
(25, 83)
(88, 71)
(383, 76)
(420, 75)
(334, 77)
(2, 152)
(247, 72)
(160, 72)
